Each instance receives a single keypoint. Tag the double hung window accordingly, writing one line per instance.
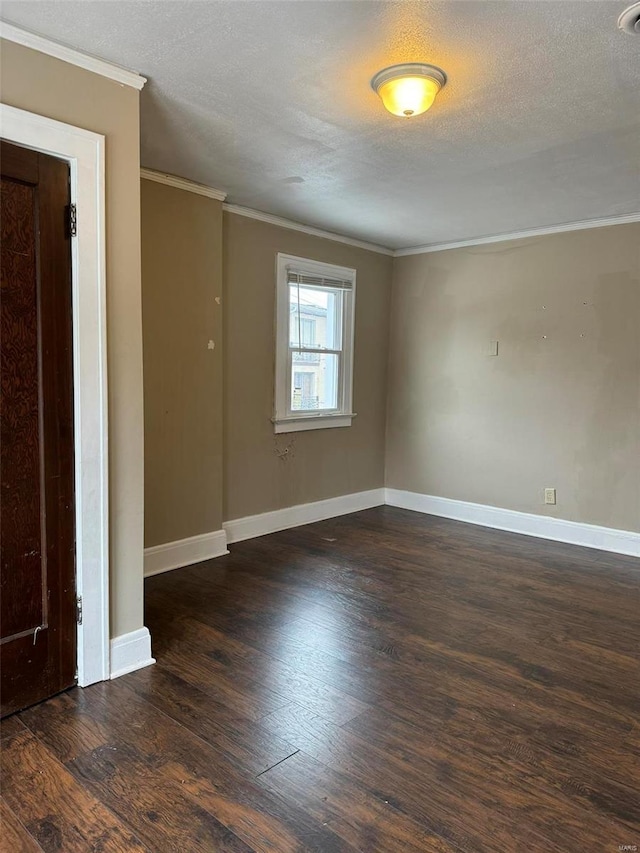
(314, 344)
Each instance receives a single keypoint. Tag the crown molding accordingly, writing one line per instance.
(623, 219)
(72, 56)
(306, 229)
(182, 184)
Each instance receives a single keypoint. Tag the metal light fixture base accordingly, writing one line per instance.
(408, 69)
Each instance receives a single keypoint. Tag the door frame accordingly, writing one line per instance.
(84, 151)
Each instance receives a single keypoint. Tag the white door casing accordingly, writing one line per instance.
(84, 151)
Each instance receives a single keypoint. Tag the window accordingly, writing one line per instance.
(304, 391)
(314, 345)
(308, 332)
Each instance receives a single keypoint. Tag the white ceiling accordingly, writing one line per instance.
(538, 125)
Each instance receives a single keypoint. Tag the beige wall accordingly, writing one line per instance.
(560, 405)
(38, 83)
(181, 278)
(263, 471)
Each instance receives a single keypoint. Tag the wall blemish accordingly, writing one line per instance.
(285, 451)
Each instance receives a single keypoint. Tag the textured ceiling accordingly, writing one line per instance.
(538, 125)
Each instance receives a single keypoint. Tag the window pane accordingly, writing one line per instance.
(314, 382)
(316, 321)
(308, 331)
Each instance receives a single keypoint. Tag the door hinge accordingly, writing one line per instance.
(73, 220)
(79, 610)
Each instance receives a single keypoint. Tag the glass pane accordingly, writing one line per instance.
(314, 381)
(316, 321)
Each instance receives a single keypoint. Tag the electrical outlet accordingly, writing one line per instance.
(550, 496)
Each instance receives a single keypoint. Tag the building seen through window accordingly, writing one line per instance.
(314, 322)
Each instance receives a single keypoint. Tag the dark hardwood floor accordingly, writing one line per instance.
(384, 681)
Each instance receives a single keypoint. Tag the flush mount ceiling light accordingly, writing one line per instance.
(629, 20)
(408, 89)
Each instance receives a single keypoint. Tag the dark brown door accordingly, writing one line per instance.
(37, 535)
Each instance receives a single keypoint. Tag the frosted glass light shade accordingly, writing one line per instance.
(409, 89)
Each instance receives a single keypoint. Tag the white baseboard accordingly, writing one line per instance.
(184, 552)
(130, 652)
(544, 527)
(251, 526)
(174, 555)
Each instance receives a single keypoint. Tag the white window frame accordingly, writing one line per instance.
(283, 419)
(84, 151)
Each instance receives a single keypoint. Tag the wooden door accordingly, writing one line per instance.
(37, 531)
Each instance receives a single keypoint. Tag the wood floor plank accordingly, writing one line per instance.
(461, 806)
(167, 783)
(522, 766)
(442, 812)
(379, 682)
(363, 820)
(154, 805)
(10, 726)
(65, 721)
(14, 838)
(242, 741)
(244, 665)
(559, 754)
(268, 823)
(57, 811)
(250, 699)
(571, 729)
(123, 772)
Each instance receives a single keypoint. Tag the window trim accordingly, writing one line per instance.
(282, 419)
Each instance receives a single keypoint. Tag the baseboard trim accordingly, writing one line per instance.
(130, 652)
(251, 526)
(184, 552)
(544, 527)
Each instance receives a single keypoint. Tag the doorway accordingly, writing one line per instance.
(37, 502)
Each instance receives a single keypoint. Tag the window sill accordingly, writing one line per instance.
(297, 423)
